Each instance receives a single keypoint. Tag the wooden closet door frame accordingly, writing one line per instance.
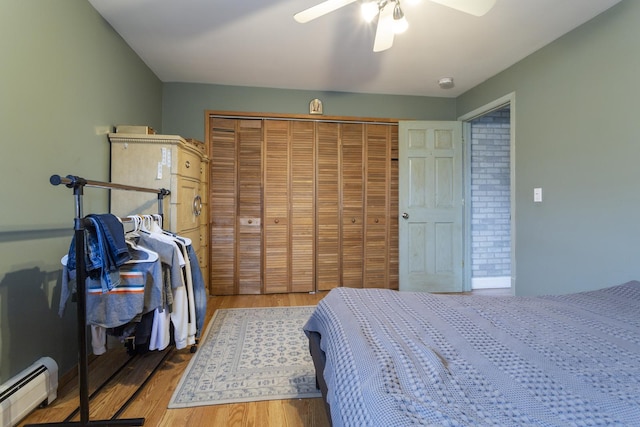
(208, 114)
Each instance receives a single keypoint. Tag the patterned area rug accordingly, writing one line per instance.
(247, 355)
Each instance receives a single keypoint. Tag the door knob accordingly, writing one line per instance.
(405, 215)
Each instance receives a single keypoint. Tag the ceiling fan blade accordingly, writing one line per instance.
(472, 7)
(384, 32)
(320, 10)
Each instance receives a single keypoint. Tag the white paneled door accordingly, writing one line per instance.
(431, 206)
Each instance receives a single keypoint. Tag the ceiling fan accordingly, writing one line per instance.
(391, 18)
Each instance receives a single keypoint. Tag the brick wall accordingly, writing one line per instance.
(490, 196)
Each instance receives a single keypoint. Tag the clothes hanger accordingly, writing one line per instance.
(152, 256)
(158, 219)
(156, 228)
(184, 240)
(136, 225)
(144, 220)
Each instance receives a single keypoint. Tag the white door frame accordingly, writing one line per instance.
(509, 99)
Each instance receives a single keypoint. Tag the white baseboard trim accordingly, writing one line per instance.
(490, 282)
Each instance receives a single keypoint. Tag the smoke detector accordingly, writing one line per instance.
(446, 82)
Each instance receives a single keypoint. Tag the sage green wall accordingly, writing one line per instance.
(65, 77)
(184, 105)
(577, 137)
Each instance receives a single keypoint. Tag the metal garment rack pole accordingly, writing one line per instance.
(78, 184)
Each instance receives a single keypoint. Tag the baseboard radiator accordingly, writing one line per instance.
(35, 386)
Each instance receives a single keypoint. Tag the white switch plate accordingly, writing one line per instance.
(537, 194)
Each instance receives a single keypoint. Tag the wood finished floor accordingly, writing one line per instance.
(151, 403)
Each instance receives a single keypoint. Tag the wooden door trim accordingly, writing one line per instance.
(309, 117)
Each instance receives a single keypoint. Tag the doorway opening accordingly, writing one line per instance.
(490, 199)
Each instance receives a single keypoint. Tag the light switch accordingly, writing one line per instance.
(537, 194)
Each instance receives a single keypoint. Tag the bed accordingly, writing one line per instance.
(389, 358)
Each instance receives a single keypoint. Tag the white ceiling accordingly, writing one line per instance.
(257, 42)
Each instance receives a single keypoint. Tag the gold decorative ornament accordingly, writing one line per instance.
(315, 106)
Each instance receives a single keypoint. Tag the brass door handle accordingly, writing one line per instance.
(197, 205)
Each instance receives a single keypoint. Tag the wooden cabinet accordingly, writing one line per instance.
(328, 258)
(376, 236)
(171, 162)
(262, 206)
(236, 206)
(322, 214)
(277, 195)
(301, 206)
(357, 206)
(393, 278)
(340, 205)
(352, 198)
(289, 206)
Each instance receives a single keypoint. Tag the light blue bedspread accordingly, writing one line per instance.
(404, 358)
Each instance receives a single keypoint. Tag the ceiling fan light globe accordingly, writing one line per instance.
(400, 25)
(369, 10)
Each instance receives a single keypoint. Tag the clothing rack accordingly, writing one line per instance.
(78, 184)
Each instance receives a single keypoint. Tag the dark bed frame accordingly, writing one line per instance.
(319, 360)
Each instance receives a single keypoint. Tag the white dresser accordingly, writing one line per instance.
(164, 161)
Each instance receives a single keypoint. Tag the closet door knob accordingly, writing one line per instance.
(249, 221)
(377, 220)
(276, 220)
(353, 220)
(405, 215)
